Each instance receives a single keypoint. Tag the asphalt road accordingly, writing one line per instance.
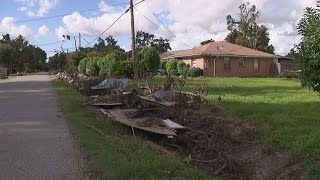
(35, 142)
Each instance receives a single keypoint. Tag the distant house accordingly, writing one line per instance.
(288, 65)
(3, 71)
(226, 59)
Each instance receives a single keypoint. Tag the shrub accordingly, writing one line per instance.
(182, 68)
(113, 65)
(148, 60)
(74, 58)
(291, 74)
(163, 64)
(83, 65)
(92, 68)
(195, 72)
(171, 67)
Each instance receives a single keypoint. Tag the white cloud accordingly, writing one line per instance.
(6, 26)
(45, 6)
(194, 21)
(31, 14)
(23, 9)
(43, 31)
(104, 7)
(37, 7)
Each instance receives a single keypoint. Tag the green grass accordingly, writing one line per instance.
(287, 114)
(110, 158)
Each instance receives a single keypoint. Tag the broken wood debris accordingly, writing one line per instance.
(161, 102)
(155, 125)
(173, 125)
(106, 104)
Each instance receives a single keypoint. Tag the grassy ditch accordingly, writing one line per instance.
(287, 114)
(111, 150)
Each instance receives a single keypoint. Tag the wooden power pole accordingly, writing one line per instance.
(79, 41)
(133, 45)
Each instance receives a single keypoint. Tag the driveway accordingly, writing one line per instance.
(35, 142)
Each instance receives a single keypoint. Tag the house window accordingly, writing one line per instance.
(206, 64)
(227, 63)
(256, 64)
(193, 62)
(241, 62)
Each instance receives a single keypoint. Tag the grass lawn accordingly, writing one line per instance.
(288, 115)
(118, 155)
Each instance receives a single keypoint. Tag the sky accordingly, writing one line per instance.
(190, 21)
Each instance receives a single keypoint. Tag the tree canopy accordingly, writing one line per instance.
(144, 39)
(309, 28)
(20, 56)
(107, 45)
(246, 32)
(207, 41)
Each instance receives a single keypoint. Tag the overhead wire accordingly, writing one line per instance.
(39, 45)
(168, 30)
(126, 11)
(61, 15)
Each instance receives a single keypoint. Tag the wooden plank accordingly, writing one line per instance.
(106, 113)
(173, 125)
(106, 104)
(158, 128)
(164, 103)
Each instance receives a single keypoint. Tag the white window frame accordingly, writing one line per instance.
(256, 64)
(193, 62)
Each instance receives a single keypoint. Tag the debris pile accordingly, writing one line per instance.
(187, 125)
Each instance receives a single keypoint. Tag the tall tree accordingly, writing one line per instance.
(58, 61)
(107, 45)
(309, 28)
(20, 56)
(296, 52)
(246, 32)
(144, 39)
(207, 41)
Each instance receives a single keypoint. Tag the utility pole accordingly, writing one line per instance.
(79, 41)
(75, 43)
(133, 45)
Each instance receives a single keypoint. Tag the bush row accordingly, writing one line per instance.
(175, 67)
(114, 65)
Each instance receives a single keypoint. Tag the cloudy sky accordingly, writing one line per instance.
(191, 21)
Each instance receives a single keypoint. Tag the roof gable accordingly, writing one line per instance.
(229, 49)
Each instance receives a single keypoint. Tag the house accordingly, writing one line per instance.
(288, 65)
(226, 59)
(3, 71)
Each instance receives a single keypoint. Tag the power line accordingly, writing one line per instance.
(84, 39)
(146, 17)
(107, 28)
(160, 20)
(164, 27)
(61, 15)
(48, 44)
(126, 11)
